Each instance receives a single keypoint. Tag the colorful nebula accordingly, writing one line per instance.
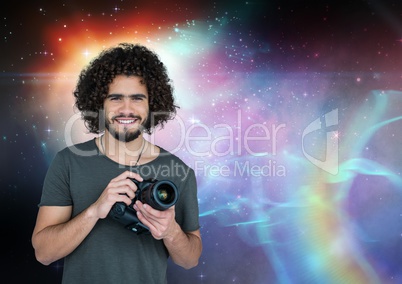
(292, 127)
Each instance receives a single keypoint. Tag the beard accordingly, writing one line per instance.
(127, 135)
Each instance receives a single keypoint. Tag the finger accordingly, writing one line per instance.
(133, 176)
(113, 190)
(150, 225)
(139, 207)
(123, 183)
(124, 198)
(157, 227)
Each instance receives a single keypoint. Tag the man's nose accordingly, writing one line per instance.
(125, 106)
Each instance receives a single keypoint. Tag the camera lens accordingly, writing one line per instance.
(164, 194)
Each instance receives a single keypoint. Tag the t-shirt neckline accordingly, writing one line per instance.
(100, 154)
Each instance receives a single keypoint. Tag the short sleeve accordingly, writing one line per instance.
(56, 190)
(189, 219)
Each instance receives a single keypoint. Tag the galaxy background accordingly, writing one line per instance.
(291, 116)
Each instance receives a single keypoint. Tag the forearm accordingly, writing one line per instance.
(57, 241)
(184, 248)
(56, 235)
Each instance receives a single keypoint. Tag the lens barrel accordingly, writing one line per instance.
(161, 195)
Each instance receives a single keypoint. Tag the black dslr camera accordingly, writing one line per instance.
(160, 195)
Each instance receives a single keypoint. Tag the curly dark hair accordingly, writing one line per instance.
(131, 60)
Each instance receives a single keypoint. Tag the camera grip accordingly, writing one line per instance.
(128, 217)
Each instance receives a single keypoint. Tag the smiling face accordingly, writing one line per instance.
(126, 108)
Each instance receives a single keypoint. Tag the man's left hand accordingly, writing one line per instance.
(161, 224)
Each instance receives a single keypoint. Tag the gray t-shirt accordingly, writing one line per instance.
(111, 253)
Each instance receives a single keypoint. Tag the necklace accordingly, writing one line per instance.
(142, 149)
(139, 156)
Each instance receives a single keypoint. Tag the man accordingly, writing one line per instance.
(84, 181)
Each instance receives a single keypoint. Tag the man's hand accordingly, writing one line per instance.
(161, 224)
(57, 235)
(184, 247)
(119, 189)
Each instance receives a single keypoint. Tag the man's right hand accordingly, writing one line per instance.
(119, 189)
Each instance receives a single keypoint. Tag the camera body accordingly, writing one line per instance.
(160, 195)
